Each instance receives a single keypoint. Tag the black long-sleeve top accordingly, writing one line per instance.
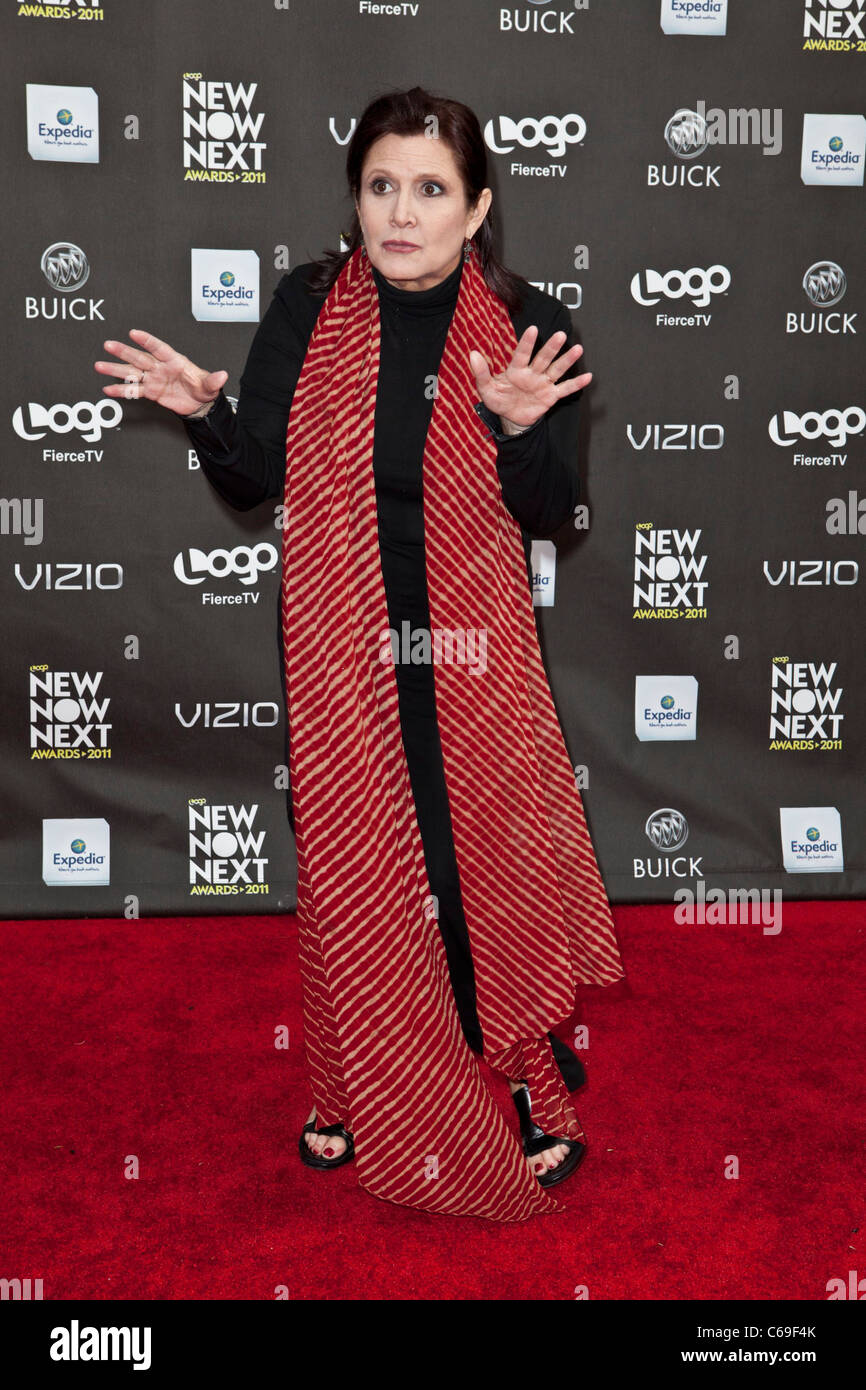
(243, 454)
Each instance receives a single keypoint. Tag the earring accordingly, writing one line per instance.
(467, 249)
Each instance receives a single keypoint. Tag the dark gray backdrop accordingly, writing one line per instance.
(140, 504)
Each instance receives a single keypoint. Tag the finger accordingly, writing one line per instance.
(564, 362)
(215, 381)
(546, 353)
(576, 383)
(161, 351)
(132, 355)
(129, 391)
(479, 366)
(120, 369)
(525, 343)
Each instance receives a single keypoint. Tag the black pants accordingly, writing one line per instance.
(427, 775)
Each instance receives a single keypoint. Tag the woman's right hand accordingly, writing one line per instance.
(153, 371)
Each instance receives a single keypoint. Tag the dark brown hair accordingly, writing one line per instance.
(408, 113)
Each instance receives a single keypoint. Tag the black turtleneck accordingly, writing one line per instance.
(243, 454)
(413, 326)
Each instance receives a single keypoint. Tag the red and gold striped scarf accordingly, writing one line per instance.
(385, 1050)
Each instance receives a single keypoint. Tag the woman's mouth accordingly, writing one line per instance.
(402, 246)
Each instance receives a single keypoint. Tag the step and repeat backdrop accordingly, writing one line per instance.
(685, 176)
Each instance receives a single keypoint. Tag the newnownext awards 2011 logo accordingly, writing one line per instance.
(68, 713)
(225, 849)
(221, 132)
(63, 9)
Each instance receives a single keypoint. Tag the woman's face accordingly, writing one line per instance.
(412, 210)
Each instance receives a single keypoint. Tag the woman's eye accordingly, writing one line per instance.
(378, 184)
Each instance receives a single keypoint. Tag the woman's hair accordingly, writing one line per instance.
(409, 113)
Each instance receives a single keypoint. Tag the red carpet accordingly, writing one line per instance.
(155, 1039)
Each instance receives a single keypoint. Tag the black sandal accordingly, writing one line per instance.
(535, 1140)
(314, 1160)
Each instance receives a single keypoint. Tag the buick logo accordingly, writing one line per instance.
(686, 134)
(825, 283)
(667, 829)
(65, 267)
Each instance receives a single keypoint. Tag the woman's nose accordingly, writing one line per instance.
(402, 212)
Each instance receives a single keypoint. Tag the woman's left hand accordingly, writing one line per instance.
(526, 390)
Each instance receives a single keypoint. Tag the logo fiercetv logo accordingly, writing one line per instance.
(87, 418)
(245, 564)
(834, 426)
(649, 287)
(553, 135)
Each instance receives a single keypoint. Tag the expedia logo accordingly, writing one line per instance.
(228, 291)
(667, 829)
(65, 267)
(686, 134)
(555, 133)
(813, 843)
(78, 856)
(65, 130)
(832, 160)
(825, 283)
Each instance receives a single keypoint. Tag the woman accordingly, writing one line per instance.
(448, 895)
